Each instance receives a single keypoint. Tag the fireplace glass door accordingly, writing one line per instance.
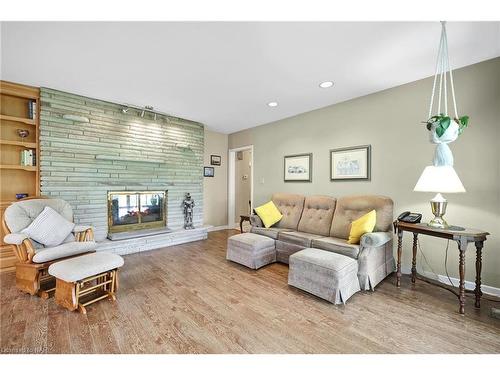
(129, 211)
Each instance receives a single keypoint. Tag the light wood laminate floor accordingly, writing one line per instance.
(190, 299)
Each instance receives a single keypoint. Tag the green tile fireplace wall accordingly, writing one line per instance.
(81, 161)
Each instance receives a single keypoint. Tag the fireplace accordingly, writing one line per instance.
(136, 210)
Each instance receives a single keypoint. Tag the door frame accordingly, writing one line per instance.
(231, 189)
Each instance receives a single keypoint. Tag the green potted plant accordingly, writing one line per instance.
(444, 129)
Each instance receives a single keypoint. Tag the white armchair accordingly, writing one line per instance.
(34, 259)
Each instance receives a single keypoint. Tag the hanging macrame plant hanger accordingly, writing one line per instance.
(443, 129)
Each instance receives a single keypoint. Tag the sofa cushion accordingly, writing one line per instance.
(20, 214)
(298, 238)
(317, 215)
(49, 228)
(62, 251)
(336, 245)
(285, 249)
(351, 208)
(290, 206)
(269, 214)
(364, 224)
(269, 232)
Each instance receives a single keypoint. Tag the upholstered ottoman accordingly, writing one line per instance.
(251, 250)
(328, 275)
(86, 279)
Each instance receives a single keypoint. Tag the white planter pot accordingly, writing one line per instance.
(450, 135)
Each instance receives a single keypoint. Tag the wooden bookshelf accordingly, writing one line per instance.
(14, 177)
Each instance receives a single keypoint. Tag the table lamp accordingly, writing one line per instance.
(439, 179)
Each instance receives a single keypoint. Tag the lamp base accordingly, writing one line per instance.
(438, 222)
(438, 206)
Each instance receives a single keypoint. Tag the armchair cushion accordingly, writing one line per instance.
(15, 238)
(49, 228)
(67, 249)
(20, 214)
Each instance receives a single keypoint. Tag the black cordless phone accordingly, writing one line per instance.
(409, 217)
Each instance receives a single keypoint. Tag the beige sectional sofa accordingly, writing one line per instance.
(324, 222)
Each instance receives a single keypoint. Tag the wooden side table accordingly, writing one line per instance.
(243, 218)
(462, 237)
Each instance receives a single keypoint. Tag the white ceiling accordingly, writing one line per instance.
(223, 74)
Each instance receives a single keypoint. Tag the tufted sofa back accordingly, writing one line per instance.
(20, 214)
(353, 207)
(317, 215)
(290, 206)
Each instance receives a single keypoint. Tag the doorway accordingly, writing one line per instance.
(240, 189)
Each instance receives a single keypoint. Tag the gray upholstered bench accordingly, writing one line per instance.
(328, 275)
(86, 279)
(251, 250)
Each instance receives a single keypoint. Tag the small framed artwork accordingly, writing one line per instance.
(215, 160)
(298, 168)
(350, 163)
(208, 172)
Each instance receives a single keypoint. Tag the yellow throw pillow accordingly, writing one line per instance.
(365, 224)
(269, 214)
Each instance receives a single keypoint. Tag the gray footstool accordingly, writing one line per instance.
(251, 250)
(328, 275)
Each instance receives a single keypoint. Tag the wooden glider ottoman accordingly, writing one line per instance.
(86, 279)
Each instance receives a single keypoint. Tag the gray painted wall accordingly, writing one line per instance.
(391, 122)
(81, 162)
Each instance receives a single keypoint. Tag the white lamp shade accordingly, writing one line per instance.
(442, 179)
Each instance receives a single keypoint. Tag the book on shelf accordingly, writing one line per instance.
(28, 158)
(32, 109)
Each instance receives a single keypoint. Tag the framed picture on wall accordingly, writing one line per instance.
(350, 163)
(208, 171)
(298, 168)
(215, 160)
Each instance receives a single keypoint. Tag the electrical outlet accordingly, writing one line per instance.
(262, 180)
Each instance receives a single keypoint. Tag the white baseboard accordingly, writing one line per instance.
(470, 285)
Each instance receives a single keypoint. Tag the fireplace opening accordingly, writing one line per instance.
(136, 210)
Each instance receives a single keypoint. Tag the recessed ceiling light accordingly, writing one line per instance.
(272, 104)
(326, 84)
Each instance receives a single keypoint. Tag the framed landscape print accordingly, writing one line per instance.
(350, 163)
(215, 160)
(298, 168)
(208, 172)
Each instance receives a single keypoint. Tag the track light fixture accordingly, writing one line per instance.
(142, 111)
